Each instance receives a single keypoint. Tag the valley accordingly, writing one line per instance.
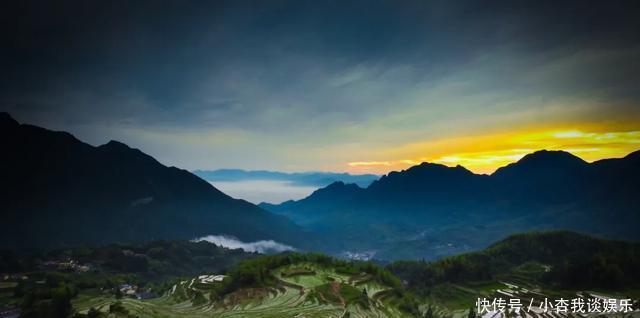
(200, 279)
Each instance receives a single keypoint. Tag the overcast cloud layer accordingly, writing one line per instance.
(312, 85)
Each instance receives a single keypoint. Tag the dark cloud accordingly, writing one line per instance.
(313, 64)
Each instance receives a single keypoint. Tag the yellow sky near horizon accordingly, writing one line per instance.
(487, 152)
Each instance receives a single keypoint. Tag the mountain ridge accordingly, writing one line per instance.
(431, 205)
(316, 179)
(62, 192)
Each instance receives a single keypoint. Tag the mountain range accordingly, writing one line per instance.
(316, 179)
(431, 210)
(59, 191)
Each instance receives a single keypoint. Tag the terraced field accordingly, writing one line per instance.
(454, 300)
(304, 290)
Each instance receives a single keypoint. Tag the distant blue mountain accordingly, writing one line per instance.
(318, 179)
(431, 210)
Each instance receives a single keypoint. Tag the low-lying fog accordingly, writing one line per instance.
(270, 191)
(268, 246)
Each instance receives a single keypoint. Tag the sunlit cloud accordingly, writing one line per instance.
(370, 163)
(569, 134)
(486, 153)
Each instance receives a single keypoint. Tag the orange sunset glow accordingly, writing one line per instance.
(486, 153)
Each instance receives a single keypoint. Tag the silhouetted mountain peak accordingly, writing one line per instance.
(337, 184)
(337, 189)
(551, 156)
(341, 186)
(430, 181)
(425, 172)
(545, 162)
(428, 165)
(633, 156)
(435, 168)
(115, 144)
(122, 150)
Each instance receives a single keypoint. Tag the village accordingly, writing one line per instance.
(133, 291)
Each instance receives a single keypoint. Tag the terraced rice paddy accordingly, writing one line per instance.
(297, 296)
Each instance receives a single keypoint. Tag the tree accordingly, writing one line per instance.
(118, 293)
(429, 313)
(472, 313)
(118, 308)
(61, 301)
(93, 313)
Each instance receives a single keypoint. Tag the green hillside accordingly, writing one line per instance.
(534, 265)
(291, 285)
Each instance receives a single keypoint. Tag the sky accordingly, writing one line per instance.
(356, 86)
